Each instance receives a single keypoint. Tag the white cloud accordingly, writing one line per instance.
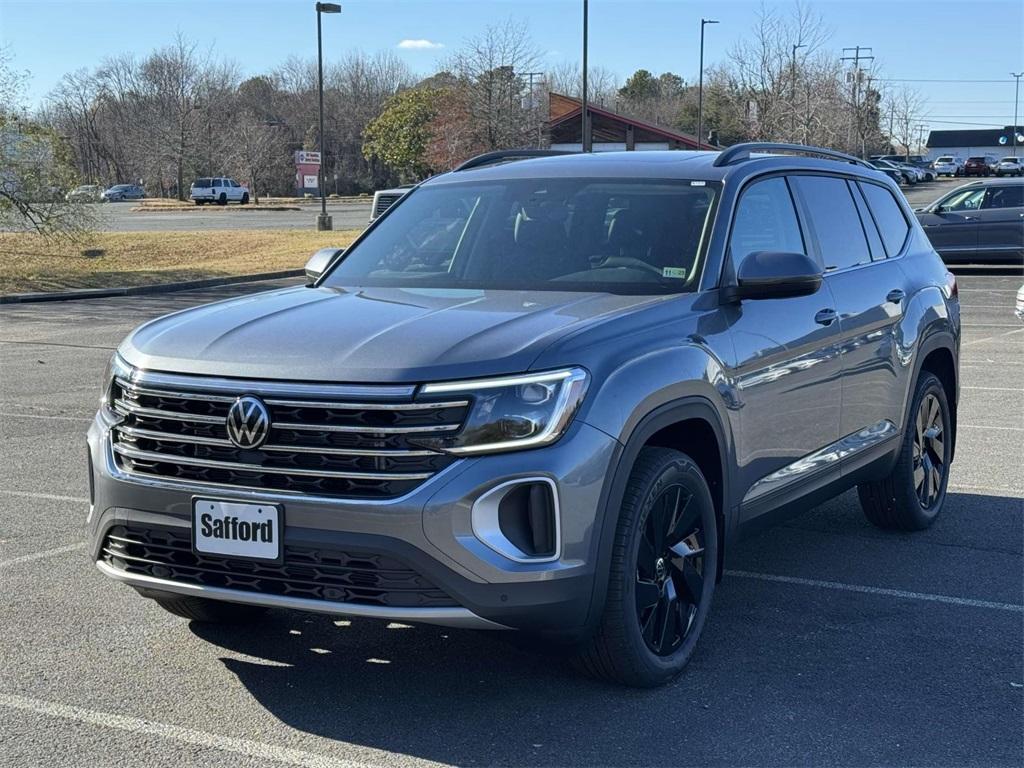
(420, 45)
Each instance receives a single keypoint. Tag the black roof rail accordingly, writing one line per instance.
(739, 152)
(506, 155)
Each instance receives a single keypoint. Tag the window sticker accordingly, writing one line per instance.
(676, 272)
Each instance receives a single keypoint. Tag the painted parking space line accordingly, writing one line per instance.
(900, 593)
(45, 496)
(990, 338)
(7, 414)
(1012, 492)
(255, 750)
(996, 389)
(982, 426)
(42, 555)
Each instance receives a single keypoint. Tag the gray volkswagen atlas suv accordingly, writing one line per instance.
(542, 393)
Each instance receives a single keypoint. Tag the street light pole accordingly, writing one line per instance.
(1016, 100)
(584, 143)
(700, 84)
(323, 221)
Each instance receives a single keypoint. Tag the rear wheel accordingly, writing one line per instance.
(208, 611)
(223, 199)
(911, 497)
(663, 569)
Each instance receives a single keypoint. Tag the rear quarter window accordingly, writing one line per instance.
(892, 224)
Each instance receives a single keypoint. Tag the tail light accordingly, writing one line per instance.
(950, 290)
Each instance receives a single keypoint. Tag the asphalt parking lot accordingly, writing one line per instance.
(830, 642)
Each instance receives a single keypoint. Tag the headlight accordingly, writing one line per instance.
(512, 412)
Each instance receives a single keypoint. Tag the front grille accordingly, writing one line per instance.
(340, 447)
(382, 203)
(312, 573)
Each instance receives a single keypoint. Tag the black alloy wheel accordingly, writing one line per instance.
(670, 570)
(664, 564)
(929, 455)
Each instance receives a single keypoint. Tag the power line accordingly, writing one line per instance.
(931, 80)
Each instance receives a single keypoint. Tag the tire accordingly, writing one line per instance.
(650, 645)
(245, 199)
(897, 502)
(208, 611)
(223, 199)
(199, 202)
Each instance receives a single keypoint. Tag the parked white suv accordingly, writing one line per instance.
(1010, 166)
(947, 165)
(221, 190)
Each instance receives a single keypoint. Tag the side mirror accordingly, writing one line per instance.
(319, 262)
(774, 275)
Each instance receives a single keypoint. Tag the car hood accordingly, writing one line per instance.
(369, 334)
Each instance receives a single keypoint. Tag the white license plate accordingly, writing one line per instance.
(237, 530)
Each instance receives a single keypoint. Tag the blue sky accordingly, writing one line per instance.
(934, 40)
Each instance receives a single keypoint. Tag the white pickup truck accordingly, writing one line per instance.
(220, 190)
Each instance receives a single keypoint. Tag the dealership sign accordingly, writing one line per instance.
(302, 157)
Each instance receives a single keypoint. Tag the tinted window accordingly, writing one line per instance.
(833, 220)
(765, 221)
(887, 214)
(537, 234)
(870, 229)
(1004, 197)
(200, 183)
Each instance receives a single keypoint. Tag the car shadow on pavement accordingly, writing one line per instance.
(774, 664)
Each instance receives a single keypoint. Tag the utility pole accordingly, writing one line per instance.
(857, 58)
(792, 91)
(533, 103)
(584, 143)
(323, 221)
(920, 138)
(1016, 100)
(700, 85)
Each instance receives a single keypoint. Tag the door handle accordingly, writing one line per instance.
(895, 296)
(825, 317)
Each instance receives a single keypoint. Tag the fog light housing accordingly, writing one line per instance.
(520, 520)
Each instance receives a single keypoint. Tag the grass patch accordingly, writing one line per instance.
(30, 263)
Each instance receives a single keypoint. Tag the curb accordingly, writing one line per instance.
(193, 209)
(141, 290)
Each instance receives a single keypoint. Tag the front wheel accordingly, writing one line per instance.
(662, 579)
(911, 497)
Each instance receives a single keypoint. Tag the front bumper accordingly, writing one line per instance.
(429, 529)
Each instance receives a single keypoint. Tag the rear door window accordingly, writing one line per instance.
(892, 225)
(765, 221)
(833, 220)
(1010, 196)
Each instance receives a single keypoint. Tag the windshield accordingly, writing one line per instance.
(538, 234)
(944, 160)
(1008, 160)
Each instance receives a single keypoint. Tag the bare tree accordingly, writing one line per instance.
(259, 150)
(903, 107)
(491, 66)
(602, 84)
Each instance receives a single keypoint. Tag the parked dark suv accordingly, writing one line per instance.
(546, 395)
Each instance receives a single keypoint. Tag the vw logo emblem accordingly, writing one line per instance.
(248, 422)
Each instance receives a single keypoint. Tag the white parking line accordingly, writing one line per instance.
(47, 496)
(44, 416)
(251, 749)
(982, 426)
(990, 338)
(997, 389)
(1012, 492)
(41, 555)
(878, 591)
